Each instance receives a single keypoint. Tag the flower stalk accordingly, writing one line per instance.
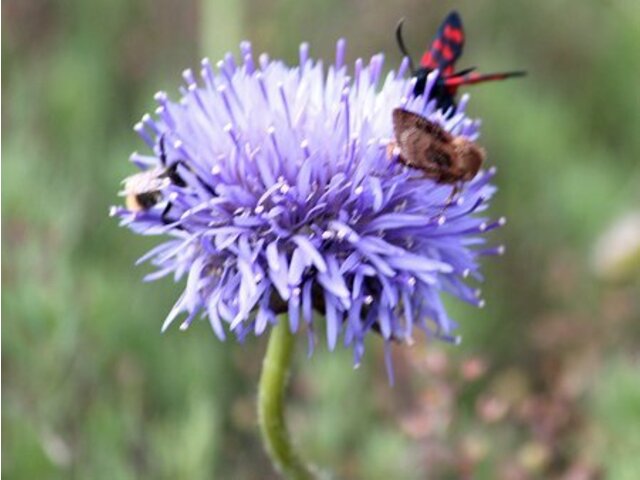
(271, 393)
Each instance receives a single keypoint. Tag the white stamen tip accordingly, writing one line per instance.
(482, 227)
(368, 300)
(481, 303)
(441, 220)
(502, 221)
(466, 272)
(501, 250)
(215, 170)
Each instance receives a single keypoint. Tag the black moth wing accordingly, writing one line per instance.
(446, 47)
(423, 144)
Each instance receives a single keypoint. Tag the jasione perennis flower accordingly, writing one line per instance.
(282, 198)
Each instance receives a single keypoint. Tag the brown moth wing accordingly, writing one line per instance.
(423, 145)
(404, 119)
(468, 158)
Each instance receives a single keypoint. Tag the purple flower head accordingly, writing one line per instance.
(283, 198)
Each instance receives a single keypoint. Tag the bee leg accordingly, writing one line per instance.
(165, 214)
(204, 185)
(167, 220)
(207, 187)
(172, 170)
(172, 174)
(176, 179)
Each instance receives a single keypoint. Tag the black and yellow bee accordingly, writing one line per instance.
(144, 190)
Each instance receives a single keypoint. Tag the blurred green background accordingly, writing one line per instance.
(547, 381)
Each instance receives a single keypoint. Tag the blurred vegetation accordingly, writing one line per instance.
(546, 383)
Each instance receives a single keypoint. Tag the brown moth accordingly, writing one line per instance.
(428, 147)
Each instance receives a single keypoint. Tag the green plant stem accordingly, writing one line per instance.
(273, 380)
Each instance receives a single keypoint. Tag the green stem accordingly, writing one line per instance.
(275, 372)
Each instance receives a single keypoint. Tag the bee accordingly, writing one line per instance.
(442, 54)
(428, 147)
(143, 190)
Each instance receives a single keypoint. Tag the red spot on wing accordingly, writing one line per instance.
(455, 35)
(427, 61)
(448, 70)
(447, 53)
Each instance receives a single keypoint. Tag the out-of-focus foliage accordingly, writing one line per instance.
(546, 383)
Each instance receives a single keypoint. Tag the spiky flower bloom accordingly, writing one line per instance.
(290, 202)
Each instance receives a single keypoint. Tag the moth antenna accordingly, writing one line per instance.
(402, 46)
